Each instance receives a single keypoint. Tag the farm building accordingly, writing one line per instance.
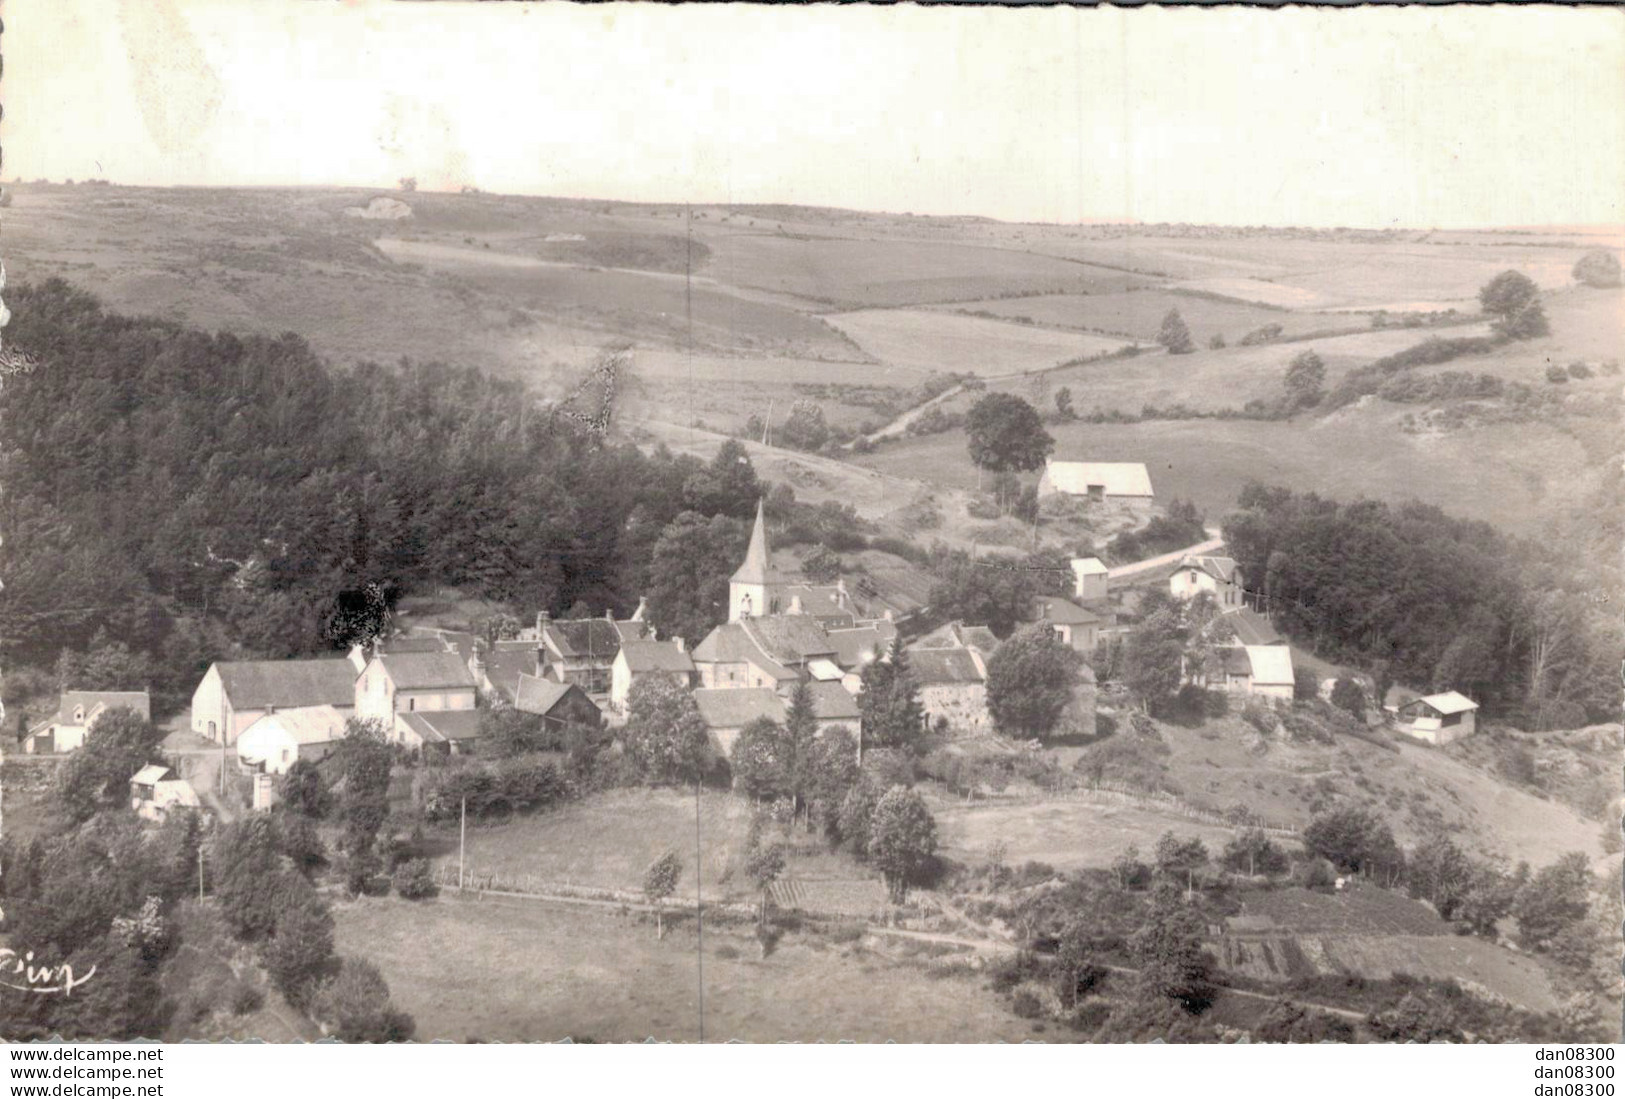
(77, 713)
(156, 791)
(953, 688)
(1100, 482)
(1438, 719)
(1247, 669)
(727, 710)
(641, 659)
(583, 650)
(449, 731)
(1218, 576)
(1078, 629)
(279, 739)
(957, 635)
(1090, 582)
(557, 704)
(236, 693)
(393, 686)
(1248, 627)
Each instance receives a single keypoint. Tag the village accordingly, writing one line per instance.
(425, 687)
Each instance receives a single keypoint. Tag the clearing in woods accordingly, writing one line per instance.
(947, 341)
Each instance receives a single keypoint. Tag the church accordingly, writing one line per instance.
(756, 589)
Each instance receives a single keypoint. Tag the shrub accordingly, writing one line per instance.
(1556, 374)
(1026, 1005)
(726, 952)
(1579, 370)
(246, 999)
(413, 880)
(357, 1006)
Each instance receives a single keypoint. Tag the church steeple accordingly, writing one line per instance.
(748, 588)
(754, 568)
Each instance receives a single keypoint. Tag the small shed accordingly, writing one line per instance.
(276, 741)
(1439, 718)
(156, 791)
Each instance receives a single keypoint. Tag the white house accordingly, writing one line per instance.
(157, 791)
(276, 741)
(393, 686)
(1090, 581)
(76, 714)
(1218, 576)
(642, 659)
(236, 693)
(1100, 482)
(1438, 719)
(1271, 670)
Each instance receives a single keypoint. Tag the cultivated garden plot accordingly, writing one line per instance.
(940, 341)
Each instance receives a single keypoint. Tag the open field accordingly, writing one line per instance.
(528, 972)
(1067, 833)
(1508, 474)
(1138, 315)
(862, 273)
(948, 341)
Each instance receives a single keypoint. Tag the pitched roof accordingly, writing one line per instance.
(505, 664)
(287, 684)
(1118, 478)
(1251, 628)
(755, 568)
(656, 656)
(444, 726)
(860, 644)
(1271, 664)
(1220, 568)
(733, 707)
(425, 671)
(536, 695)
(594, 638)
(151, 773)
(1089, 566)
(302, 725)
(789, 638)
(817, 600)
(1062, 612)
(414, 645)
(94, 702)
(833, 702)
(730, 644)
(1450, 702)
(944, 666)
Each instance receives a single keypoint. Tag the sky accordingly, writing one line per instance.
(1417, 117)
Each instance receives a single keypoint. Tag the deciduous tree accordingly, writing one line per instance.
(1030, 680)
(902, 839)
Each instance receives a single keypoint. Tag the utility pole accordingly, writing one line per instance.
(462, 842)
(200, 871)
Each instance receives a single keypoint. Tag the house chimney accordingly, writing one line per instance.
(541, 622)
(643, 609)
(609, 614)
(841, 598)
(795, 604)
(682, 646)
(358, 659)
(886, 614)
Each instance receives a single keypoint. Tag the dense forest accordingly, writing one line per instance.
(1426, 600)
(193, 495)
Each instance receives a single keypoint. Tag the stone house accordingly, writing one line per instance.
(1091, 582)
(727, 710)
(393, 686)
(1078, 629)
(953, 688)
